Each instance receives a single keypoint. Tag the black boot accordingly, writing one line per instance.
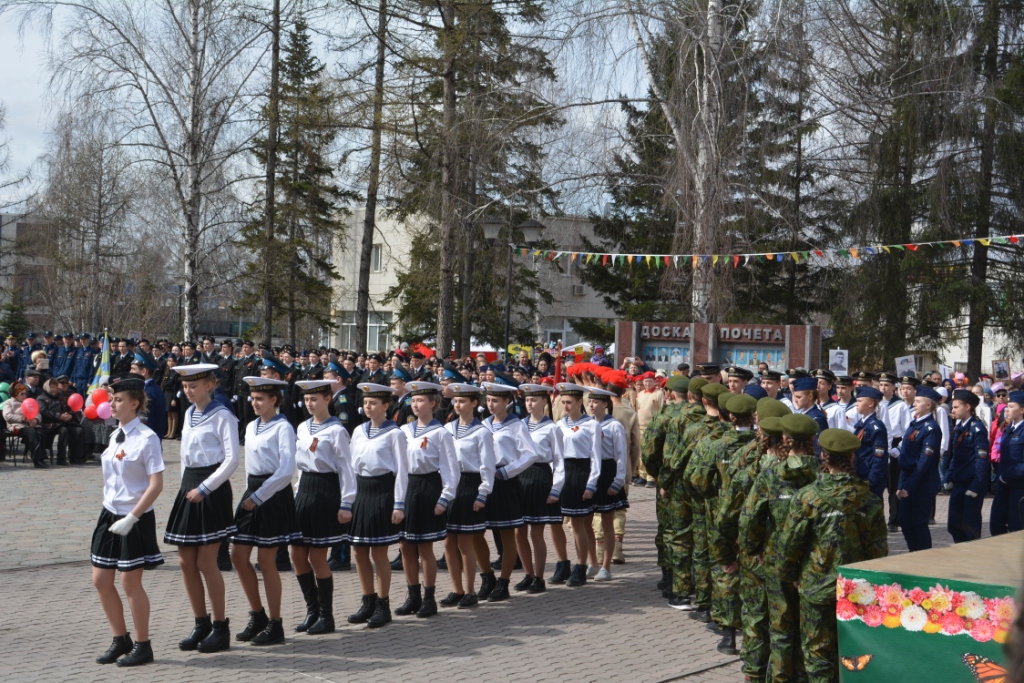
(121, 645)
(701, 614)
(468, 600)
(141, 654)
(257, 622)
(307, 582)
(537, 586)
(340, 559)
(284, 563)
(396, 564)
(365, 611)
(325, 623)
(412, 603)
(451, 600)
(429, 606)
(578, 576)
(562, 571)
(224, 557)
(202, 629)
(273, 634)
(487, 584)
(681, 602)
(219, 638)
(442, 563)
(714, 628)
(381, 615)
(500, 591)
(666, 579)
(526, 582)
(728, 643)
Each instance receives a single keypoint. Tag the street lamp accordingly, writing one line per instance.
(531, 230)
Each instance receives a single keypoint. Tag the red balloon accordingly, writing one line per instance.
(90, 412)
(100, 396)
(75, 402)
(29, 408)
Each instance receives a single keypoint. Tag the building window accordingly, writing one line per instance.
(377, 259)
(346, 329)
(378, 331)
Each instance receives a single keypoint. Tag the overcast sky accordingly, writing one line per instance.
(23, 91)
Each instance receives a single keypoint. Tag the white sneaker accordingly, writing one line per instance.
(603, 575)
(591, 571)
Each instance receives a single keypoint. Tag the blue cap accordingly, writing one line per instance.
(804, 384)
(398, 372)
(1014, 397)
(928, 392)
(270, 361)
(755, 391)
(451, 373)
(504, 379)
(335, 366)
(869, 392)
(145, 361)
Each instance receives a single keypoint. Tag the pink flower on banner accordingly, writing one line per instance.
(917, 596)
(873, 616)
(845, 610)
(890, 596)
(951, 623)
(1000, 609)
(982, 630)
(941, 599)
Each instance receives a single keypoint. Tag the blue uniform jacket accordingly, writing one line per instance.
(1011, 456)
(156, 411)
(970, 463)
(919, 454)
(872, 458)
(819, 417)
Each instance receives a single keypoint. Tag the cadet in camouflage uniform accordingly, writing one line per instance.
(764, 513)
(834, 521)
(746, 465)
(652, 452)
(701, 437)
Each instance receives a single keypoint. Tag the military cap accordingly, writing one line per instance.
(709, 368)
(822, 373)
(844, 381)
(697, 385)
(740, 372)
(741, 405)
(130, 383)
(713, 391)
(864, 376)
(799, 426)
(771, 374)
(1015, 397)
(967, 397)
(838, 441)
(796, 373)
(890, 377)
(772, 426)
(678, 384)
(911, 380)
(771, 407)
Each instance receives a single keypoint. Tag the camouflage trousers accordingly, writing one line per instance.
(819, 639)
(725, 588)
(679, 543)
(661, 514)
(754, 615)
(701, 556)
(785, 661)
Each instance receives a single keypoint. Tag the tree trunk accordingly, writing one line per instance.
(372, 186)
(271, 177)
(449, 190)
(193, 198)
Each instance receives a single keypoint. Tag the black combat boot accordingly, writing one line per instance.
(487, 584)
(202, 629)
(141, 654)
(562, 571)
(381, 615)
(451, 600)
(273, 634)
(526, 582)
(412, 604)
(257, 622)
(121, 645)
(429, 606)
(500, 591)
(365, 610)
(727, 645)
(537, 586)
(219, 638)
(666, 579)
(578, 576)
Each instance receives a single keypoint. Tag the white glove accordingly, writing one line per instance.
(972, 494)
(894, 452)
(122, 526)
(234, 399)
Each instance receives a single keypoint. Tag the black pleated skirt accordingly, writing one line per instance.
(505, 504)
(536, 482)
(371, 512)
(577, 472)
(421, 524)
(268, 525)
(602, 501)
(316, 509)
(208, 521)
(461, 517)
(137, 550)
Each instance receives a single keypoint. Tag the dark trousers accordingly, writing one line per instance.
(243, 409)
(964, 522)
(1006, 508)
(894, 486)
(33, 438)
(915, 511)
(72, 441)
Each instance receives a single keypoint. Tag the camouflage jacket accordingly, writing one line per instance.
(767, 505)
(711, 460)
(684, 432)
(652, 448)
(834, 521)
(743, 469)
(699, 475)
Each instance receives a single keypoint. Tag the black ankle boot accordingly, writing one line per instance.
(224, 557)
(429, 606)
(396, 564)
(537, 586)
(257, 622)
(307, 582)
(365, 611)
(340, 559)
(578, 576)
(283, 562)
(701, 614)
(412, 604)
(121, 645)
(487, 584)
(381, 614)
(728, 643)
(562, 571)
(271, 635)
(141, 654)
(219, 638)
(526, 582)
(666, 579)
(451, 600)
(202, 629)
(500, 591)
(325, 622)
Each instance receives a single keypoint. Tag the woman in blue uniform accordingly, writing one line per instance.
(919, 470)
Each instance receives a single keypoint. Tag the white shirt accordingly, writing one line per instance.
(270, 450)
(432, 449)
(900, 415)
(325, 448)
(384, 452)
(213, 439)
(474, 449)
(126, 478)
(942, 417)
(513, 447)
(547, 441)
(581, 440)
(613, 447)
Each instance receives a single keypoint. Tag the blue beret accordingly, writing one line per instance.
(1014, 397)
(755, 391)
(928, 392)
(869, 392)
(804, 384)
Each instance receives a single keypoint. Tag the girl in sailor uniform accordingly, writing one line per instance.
(465, 546)
(433, 481)
(266, 516)
(542, 485)
(323, 456)
(378, 506)
(581, 447)
(513, 454)
(125, 534)
(611, 493)
(201, 516)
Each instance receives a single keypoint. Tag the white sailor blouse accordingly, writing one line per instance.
(325, 448)
(581, 439)
(377, 451)
(208, 438)
(270, 450)
(474, 448)
(431, 448)
(613, 447)
(513, 447)
(547, 441)
(128, 465)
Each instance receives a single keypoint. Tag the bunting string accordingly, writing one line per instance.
(736, 260)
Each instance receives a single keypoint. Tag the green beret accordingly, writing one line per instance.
(838, 441)
(678, 384)
(696, 385)
(771, 407)
(772, 426)
(741, 405)
(713, 391)
(799, 426)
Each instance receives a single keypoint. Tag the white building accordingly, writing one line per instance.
(570, 297)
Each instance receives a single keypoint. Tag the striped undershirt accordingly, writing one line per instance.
(461, 430)
(534, 426)
(197, 415)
